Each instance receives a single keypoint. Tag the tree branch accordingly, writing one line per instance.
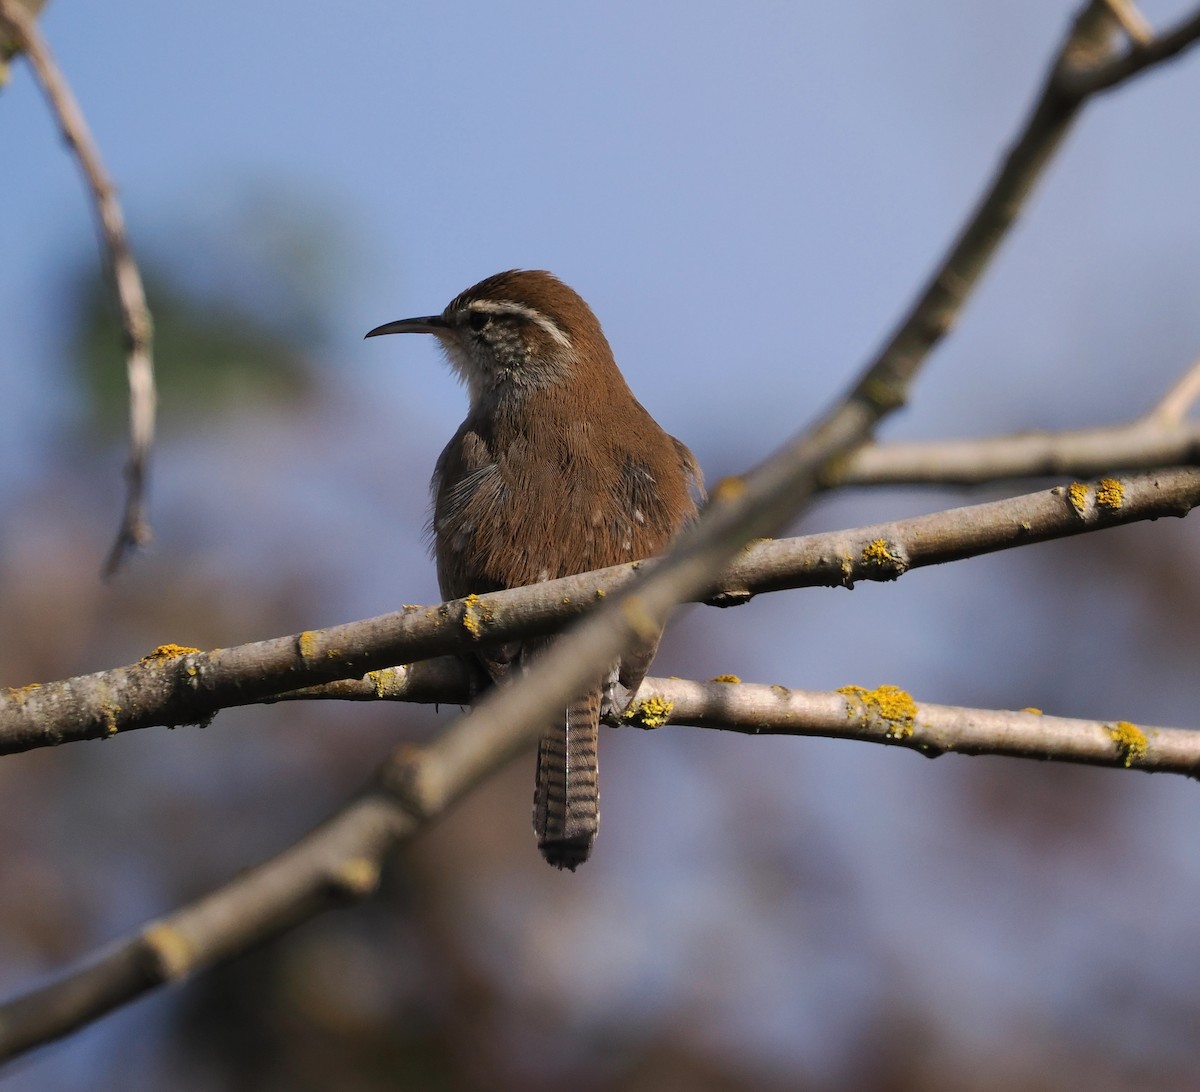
(337, 862)
(127, 279)
(1132, 21)
(889, 716)
(1082, 453)
(1092, 79)
(340, 861)
(175, 685)
(886, 715)
(1158, 438)
(1174, 405)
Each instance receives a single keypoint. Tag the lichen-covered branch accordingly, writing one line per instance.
(886, 715)
(340, 861)
(177, 685)
(890, 716)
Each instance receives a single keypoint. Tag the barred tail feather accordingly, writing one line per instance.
(566, 801)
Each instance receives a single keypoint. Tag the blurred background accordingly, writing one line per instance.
(748, 196)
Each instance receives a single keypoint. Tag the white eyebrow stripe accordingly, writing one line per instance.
(511, 307)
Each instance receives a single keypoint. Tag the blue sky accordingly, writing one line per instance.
(747, 198)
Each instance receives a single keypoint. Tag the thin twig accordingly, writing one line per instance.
(1081, 453)
(1158, 438)
(1089, 80)
(1176, 403)
(1132, 21)
(127, 280)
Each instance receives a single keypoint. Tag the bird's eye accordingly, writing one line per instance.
(477, 320)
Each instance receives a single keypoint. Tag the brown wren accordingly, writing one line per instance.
(557, 470)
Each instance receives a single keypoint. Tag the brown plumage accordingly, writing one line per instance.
(556, 470)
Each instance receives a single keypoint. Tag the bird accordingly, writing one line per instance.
(556, 470)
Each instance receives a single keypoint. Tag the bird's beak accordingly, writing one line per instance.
(429, 324)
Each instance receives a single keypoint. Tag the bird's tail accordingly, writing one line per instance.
(566, 799)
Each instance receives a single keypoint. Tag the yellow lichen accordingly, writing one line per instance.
(651, 712)
(110, 713)
(600, 593)
(356, 877)
(1110, 494)
(476, 615)
(728, 489)
(1034, 710)
(725, 679)
(1077, 494)
(20, 693)
(388, 682)
(834, 470)
(876, 551)
(169, 652)
(172, 951)
(891, 704)
(878, 554)
(1130, 740)
(881, 392)
(306, 643)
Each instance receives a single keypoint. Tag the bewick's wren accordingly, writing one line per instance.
(556, 470)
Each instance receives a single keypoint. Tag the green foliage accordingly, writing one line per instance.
(210, 356)
(239, 300)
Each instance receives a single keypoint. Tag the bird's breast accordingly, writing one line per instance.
(535, 506)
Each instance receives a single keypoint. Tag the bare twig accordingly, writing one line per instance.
(1159, 438)
(127, 280)
(1083, 453)
(1177, 401)
(1091, 79)
(1132, 21)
